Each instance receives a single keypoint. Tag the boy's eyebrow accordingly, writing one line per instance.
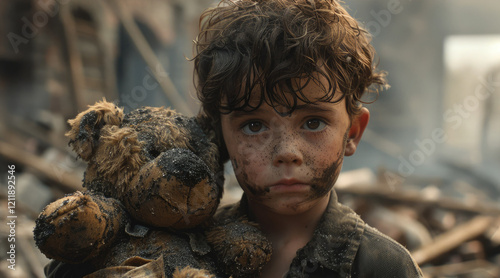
(241, 113)
(308, 107)
(313, 107)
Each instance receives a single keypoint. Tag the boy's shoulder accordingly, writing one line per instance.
(377, 255)
(381, 256)
(352, 248)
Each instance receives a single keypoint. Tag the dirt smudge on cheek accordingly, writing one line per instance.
(249, 158)
(325, 178)
(252, 188)
(246, 178)
(325, 182)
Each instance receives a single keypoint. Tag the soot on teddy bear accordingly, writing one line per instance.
(160, 164)
(158, 170)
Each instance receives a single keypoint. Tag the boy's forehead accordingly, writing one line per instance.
(313, 88)
(336, 109)
(256, 106)
(313, 85)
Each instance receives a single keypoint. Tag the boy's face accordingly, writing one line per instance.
(287, 164)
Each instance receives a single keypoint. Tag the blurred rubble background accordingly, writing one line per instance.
(426, 173)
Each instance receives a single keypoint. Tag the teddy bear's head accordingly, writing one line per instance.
(163, 166)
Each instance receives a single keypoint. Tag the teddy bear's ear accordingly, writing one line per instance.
(85, 128)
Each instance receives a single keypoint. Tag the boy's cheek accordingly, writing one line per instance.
(241, 165)
(251, 169)
(252, 147)
(248, 169)
(325, 177)
(249, 180)
(251, 153)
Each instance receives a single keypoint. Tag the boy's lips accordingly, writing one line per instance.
(289, 185)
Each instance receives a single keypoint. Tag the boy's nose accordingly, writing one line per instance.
(287, 151)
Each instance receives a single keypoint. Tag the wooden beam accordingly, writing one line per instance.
(462, 268)
(453, 238)
(415, 198)
(74, 58)
(45, 170)
(150, 58)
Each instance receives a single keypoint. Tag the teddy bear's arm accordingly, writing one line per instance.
(79, 226)
(241, 247)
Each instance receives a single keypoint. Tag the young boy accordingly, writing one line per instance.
(282, 81)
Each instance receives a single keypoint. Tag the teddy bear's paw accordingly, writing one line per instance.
(242, 248)
(175, 190)
(189, 272)
(74, 228)
(86, 126)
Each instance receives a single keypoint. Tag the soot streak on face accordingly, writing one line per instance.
(330, 174)
(245, 182)
(323, 184)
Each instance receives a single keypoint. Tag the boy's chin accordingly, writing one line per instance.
(291, 205)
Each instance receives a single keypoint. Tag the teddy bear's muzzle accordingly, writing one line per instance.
(175, 190)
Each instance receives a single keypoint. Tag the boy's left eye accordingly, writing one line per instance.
(314, 125)
(253, 128)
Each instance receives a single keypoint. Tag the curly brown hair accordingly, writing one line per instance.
(269, 44)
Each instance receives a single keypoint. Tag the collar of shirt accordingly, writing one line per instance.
(334, 244)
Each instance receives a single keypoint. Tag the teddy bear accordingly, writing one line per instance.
(152, 185)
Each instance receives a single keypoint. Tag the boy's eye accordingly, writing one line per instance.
(314, 125)
(253, 128)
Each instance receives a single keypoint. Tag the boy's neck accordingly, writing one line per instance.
(283, 227)
(287, 233)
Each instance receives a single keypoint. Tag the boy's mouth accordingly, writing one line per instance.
(289, 186)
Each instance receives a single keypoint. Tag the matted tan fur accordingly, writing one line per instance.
(106, 112)
(118, 156)
(189, 272)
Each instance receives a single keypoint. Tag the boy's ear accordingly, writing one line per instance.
(358, 125)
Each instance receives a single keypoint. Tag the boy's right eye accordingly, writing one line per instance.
(253, 128)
